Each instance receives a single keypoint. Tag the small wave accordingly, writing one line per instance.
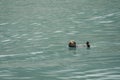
(5, 75)
(16, 35)
(72, 32)
(99, 71)
(24, 34)
(1, 24)
(19, 36)
(22, 54)
(106, 21)
(97, 30)
(16, 78)
(36, 52)
(81, 13)
(103, 60)
(37, 24)
(7, 40)
(71, 77)
(96, 17)
(30, 39)
(101, 17)
(8, 55)
(38, 32)
(95, 74)
(58, 31)
(63, 71)
(109, 15)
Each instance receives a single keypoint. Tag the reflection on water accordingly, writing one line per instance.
(72, 49)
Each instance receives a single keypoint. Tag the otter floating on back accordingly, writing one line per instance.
(72, 44)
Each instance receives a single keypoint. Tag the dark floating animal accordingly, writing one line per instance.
(72, 44)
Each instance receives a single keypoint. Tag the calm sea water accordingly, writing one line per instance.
(34, 35)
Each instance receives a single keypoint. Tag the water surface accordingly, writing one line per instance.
(34, 35)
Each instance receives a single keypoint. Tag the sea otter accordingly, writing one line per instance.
(72, 44)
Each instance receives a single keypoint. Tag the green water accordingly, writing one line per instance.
(34, 35)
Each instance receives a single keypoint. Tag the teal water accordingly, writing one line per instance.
(34, 35)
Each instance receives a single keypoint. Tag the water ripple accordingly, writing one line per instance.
(21, 55)
(36, 24)
(97, 74)
(106, 21)
(101, 17)
(1, 24)
(58, 31)
(7, 40)
(16, 78)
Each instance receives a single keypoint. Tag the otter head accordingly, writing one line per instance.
(72, 43)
